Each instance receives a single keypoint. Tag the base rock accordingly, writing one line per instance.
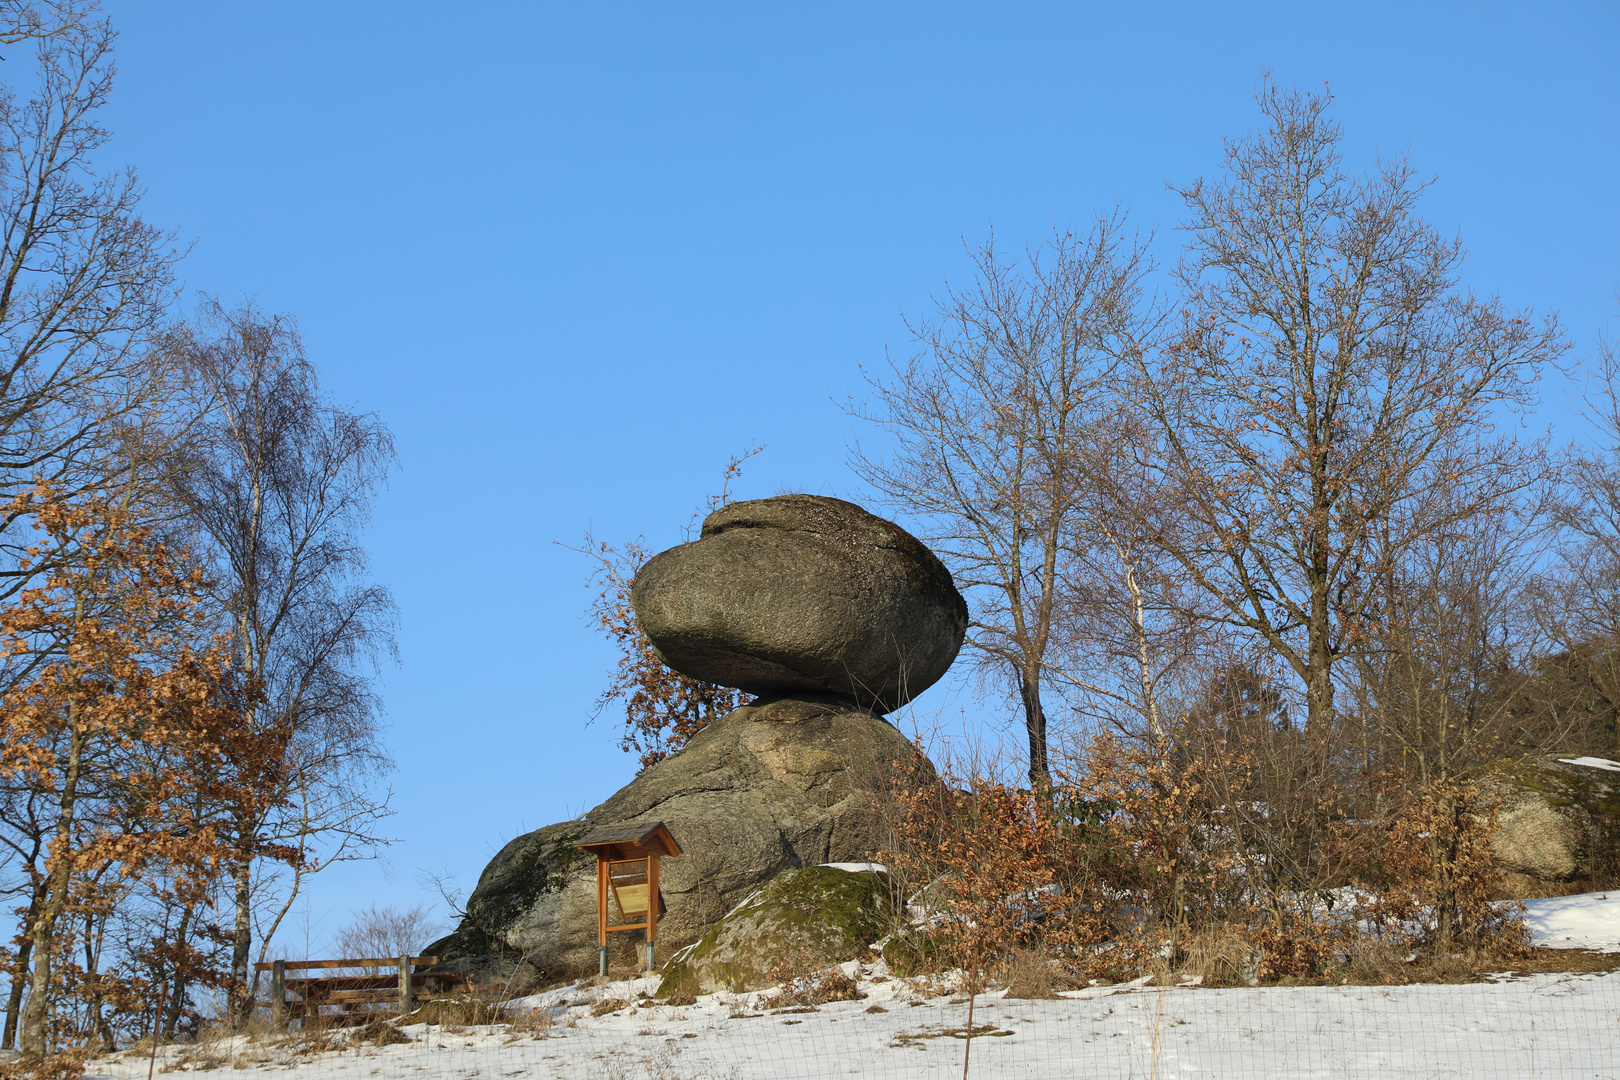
(772, 786)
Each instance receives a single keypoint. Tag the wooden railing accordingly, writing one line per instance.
(310, 992)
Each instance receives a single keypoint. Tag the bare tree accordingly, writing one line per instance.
(278, 488)
(990, 422)
(34, 20)
(386, 931)
(1328, 378)
(84, 281)
(1441, 679)
(1128, 629)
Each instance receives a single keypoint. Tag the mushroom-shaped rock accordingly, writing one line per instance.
(803, 594)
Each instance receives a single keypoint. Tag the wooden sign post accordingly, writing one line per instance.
(627, 859)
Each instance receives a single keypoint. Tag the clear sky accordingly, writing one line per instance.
(577, 255)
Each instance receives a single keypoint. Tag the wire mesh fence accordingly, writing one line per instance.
(1549, 1025)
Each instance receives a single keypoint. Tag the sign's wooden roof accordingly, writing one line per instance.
(635, 839)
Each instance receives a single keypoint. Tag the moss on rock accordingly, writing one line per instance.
(802, 920)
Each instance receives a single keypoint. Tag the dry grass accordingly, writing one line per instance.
(211, 1049)
(460, 1011)
(379, 1032)
(816, 988)
(1028, 974)
(534, 1022)
(1220, 957)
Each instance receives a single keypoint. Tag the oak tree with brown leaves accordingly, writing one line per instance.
(125, 714)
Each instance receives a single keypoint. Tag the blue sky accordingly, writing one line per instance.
(578, 255)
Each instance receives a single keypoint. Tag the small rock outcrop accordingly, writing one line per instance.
(1558, 820)
(804, 920)
(769, 787)
(803, 594)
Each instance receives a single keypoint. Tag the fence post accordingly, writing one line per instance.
(278, 989)
(404, 986)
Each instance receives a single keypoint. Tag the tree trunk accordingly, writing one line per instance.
(241, 1003)
(56, 888)
(1319, 687)
(95, 1016)
(1040, 772)
(178, 994)
(19, 978)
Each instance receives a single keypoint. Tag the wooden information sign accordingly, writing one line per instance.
(627, 859)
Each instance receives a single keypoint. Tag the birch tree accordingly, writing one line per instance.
(277, 490)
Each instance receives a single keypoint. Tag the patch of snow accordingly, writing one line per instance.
(859, 867)
(1593, 763)
(550, 999)
(1585, 921)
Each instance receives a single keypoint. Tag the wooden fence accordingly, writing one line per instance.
(308, 993)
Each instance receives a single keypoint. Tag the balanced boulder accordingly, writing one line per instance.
(803, 594)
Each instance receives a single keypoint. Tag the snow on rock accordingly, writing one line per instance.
(1585, 921)
(1593, 763)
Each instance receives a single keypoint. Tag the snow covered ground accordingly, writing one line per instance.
(1534, 1026)
(1587, 921)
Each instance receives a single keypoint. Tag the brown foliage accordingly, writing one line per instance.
(987, 861)
(63, 1065)
(1158, 821)
(808, 989)
(126, 716)
(1138, 863)
(993, 863)
(663, 709)
(1431, 883)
